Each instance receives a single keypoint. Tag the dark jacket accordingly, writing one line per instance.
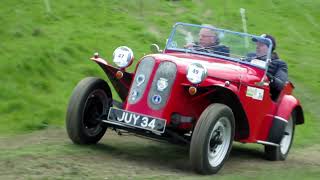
(278, 76)
(214, 49)
(277, 73)
(221, 50)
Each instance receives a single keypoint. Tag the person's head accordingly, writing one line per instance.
(263, 45)
(207, 37)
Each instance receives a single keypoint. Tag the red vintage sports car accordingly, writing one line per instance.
(189, 93)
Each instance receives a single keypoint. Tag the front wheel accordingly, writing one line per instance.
(212, 138)
(280, 153)
(91, 99)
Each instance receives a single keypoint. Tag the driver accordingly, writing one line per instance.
(277, 70)
(209, 42)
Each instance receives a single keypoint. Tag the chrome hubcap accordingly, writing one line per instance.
(219, 141)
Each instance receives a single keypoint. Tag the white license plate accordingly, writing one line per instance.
(122, 117)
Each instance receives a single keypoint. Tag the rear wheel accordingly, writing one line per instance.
(91, 99)
(274, 153)
(212, 138)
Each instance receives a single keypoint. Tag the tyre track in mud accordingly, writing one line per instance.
(50, 152)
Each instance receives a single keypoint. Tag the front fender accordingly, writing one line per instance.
(121, 85)
(214, 82)
(231, 85)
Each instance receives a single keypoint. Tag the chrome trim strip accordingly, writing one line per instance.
(281, 119)
(268, 143)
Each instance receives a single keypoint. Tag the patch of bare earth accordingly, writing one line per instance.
(50, 153)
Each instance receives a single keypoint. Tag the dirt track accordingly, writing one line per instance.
(49, 153)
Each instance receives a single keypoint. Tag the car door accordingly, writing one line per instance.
(257, 103)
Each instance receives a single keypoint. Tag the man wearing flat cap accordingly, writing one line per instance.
(277, 70)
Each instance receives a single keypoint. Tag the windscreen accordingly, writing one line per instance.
(229, 45)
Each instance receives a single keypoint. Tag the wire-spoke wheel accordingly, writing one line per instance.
(90, 101)
(212, 138)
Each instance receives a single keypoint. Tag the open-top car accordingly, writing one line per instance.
(202, 96)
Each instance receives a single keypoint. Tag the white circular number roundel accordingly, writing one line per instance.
(196, 73)
(122, 56)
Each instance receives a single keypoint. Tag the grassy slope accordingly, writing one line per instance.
(43, 55)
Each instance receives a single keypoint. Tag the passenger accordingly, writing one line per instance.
(277, 69)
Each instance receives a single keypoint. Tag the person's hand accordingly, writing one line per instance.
(272, 70)
(270, 76)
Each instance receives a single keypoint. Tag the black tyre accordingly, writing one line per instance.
(212, 139)
(280, 153)
(90, 99)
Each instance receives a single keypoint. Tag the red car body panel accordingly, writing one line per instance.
(120, 85)
(287, 103)
(240, 76)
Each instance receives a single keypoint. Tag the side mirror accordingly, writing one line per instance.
(155, 48)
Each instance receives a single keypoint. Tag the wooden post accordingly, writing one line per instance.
(47, 5)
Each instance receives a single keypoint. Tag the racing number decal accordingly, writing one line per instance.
(121, 56)
(195, 73)
(255, 93)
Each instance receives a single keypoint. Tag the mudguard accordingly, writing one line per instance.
(225, 92)
(287, 105)
(215, 82)
(122, 85)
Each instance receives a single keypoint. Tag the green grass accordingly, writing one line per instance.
(43, 55)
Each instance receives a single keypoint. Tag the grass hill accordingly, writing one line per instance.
(45, 47)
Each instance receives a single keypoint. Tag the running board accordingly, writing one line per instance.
(268, 143)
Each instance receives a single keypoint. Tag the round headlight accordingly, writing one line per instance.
(196, 73)
(123, 56)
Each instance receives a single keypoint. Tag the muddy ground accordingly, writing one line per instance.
(49, 154)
